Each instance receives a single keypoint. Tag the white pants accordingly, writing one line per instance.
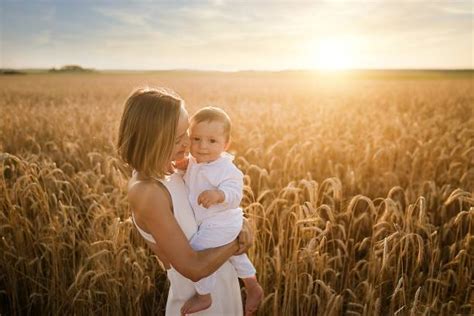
(218, 231)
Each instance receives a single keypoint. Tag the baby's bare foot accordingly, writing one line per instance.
(254, 295)
(196, 304)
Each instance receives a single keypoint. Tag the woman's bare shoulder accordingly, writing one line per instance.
(145, 195)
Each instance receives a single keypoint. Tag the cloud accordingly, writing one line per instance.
(125, 17)
(456, 8)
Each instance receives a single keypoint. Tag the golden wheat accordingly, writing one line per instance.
(360, 193)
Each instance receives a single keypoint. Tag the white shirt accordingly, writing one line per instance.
(220, 174)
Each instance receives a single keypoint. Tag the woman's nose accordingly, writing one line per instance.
(186, 141)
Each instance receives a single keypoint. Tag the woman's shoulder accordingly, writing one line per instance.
(146, 192)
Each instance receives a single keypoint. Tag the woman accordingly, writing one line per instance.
(152, 137)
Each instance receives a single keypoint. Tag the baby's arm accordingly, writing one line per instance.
(233, 189)
(229, 191)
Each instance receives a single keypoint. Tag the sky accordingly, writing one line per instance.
(238, 35)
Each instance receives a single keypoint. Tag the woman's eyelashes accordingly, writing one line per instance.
(181, 138)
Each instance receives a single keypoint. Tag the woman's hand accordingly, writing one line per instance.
(245, 238)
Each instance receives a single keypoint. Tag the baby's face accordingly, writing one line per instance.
(207, 140)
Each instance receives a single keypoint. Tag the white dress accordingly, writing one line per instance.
(226, 297)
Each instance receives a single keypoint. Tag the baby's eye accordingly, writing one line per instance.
(196, 139)
(212, 141)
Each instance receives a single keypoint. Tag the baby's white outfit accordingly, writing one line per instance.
(220, 223)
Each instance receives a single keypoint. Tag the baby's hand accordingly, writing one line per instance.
(182, 164)
(210, 197)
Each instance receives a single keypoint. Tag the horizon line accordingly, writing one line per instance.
(242, 70)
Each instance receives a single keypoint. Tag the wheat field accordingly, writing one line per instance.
(360, 191)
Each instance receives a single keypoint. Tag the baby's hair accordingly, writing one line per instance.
(213, 114)
(148, 129)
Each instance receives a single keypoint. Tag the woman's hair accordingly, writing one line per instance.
(213, 114)
(148, 130)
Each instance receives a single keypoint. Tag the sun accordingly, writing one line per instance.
(331, 54)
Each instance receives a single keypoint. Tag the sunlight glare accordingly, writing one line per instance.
(332, 54)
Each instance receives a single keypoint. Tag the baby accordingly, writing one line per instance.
(215, 188)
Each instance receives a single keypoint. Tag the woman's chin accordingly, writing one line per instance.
(179, 156)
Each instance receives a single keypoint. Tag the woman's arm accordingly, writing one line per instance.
(151, 204)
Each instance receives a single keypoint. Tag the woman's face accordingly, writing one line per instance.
(181, 145)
